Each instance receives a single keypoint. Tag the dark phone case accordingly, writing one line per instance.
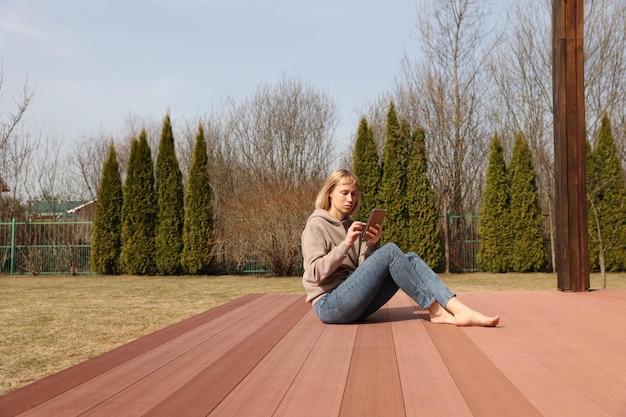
(376, 217)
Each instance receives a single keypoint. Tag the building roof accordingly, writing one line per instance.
(53, 208)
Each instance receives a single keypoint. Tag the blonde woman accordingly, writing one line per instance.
(347, 276)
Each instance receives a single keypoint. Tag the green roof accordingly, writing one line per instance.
(51, 207)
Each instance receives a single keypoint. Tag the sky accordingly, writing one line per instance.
(93, 63)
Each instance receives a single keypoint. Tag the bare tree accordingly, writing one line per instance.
(376, 114)
(276, 149)
(14, 157)
(48, 168)
(605, 61)
(10, 121)
(283, 133)
(86, 161)
(14, 150)
(522, 97)
(14, 160)
(444, 92)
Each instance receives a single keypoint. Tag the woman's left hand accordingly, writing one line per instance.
(373, 234)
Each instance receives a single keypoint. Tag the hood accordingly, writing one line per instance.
(330, 219)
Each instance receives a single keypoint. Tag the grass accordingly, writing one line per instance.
(52, 322)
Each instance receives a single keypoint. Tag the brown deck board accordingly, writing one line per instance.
(321, 381)
(423, 373)
(554, 354)
(573, 363)
(492, 394)
(204, 392)
(269, 381)
(373, 384)
(216, 340)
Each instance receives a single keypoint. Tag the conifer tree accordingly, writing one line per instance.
(198, 224)
(139, 211)
(527, 250)
(169, 189)
(423, 217)
(606, 194)
(393, 184)
(367, 168)
(494, 228)
(107, 226)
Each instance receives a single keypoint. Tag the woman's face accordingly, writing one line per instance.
(343, 199)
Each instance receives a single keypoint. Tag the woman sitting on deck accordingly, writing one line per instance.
(348, 277)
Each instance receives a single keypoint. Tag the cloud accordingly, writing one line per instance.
(26, 31)
(13, 21)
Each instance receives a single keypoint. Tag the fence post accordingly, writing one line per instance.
(13, 226)
(446, 244)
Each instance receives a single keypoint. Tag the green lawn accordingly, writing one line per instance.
(52, 322)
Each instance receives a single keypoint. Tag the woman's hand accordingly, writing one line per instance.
(354, 231)
(374, 234)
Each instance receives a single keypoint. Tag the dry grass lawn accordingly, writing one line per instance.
(52, 322)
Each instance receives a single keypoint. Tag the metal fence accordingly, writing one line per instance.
(464, 242)
(64, 248)
(45, 247)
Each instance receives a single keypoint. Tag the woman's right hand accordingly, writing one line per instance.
(354, 231)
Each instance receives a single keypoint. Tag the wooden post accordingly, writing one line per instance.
(569, 146)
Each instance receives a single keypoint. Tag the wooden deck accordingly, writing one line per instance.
(554, 354)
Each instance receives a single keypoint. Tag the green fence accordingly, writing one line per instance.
(464, 242)
(64, 248)
(38, 248)
(45, 247)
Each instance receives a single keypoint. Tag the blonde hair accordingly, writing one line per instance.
(340, 176)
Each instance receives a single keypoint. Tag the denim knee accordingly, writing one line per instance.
(391, 249)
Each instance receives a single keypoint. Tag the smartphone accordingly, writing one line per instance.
(376, 217)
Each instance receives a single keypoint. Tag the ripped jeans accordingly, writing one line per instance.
(376, 280)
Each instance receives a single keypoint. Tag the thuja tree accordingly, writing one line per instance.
(367, 168)
(169, 189)
(139, 211)
(494, 228)
(424, 237)
(393, 185)
(606, 203)
(198, 219)
(527, 249)
(107, 226)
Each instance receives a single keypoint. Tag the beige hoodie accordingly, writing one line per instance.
(328, 260)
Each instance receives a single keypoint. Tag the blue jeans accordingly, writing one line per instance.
(376, 280)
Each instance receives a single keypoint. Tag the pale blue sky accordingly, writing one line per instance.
(94, 63)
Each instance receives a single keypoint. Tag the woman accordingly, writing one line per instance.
(347, 277)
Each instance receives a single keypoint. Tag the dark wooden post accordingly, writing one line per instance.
(569, 146)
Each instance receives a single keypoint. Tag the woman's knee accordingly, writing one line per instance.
(392, 249)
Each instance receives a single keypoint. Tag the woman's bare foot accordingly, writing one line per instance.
(474, 318)
(440, 315)
(465, 316)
